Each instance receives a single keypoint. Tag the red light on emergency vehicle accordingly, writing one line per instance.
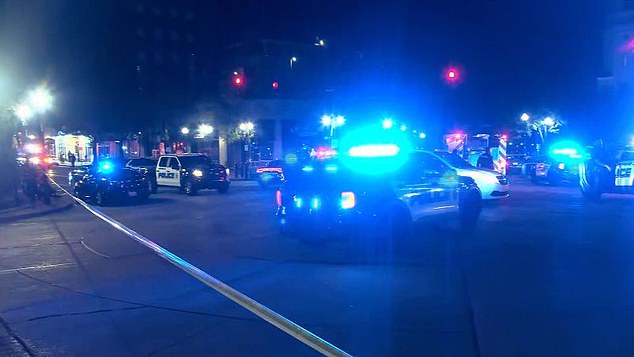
(278, 198)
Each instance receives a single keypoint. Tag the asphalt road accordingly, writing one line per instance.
(545, 274)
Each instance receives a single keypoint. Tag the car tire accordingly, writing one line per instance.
(189, 188)
(224, 188)
(469, 209)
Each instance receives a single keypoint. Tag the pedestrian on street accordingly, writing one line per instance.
(72, 159)
(485, 161)
(236, 169)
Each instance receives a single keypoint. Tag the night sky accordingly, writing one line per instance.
(516, 55)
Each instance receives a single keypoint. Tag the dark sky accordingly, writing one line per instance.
(523, 55)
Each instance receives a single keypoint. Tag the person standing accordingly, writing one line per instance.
(72, 158)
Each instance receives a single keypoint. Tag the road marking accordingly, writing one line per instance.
(92, 250)
(303, 335)
(36, 267)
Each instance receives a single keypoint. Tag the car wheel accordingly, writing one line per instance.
(469, 209)
(190, 189)
(224, 188)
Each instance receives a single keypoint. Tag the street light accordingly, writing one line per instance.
(403, 127)
(548, 121)
(422, 136)
(387, 123)
(332, 122)
(23, 112)
(525, 117)
(292, 60)
(204, 129)
(184, 130)
(246, 127)
(40, 99)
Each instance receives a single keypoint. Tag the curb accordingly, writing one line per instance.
(27, 215)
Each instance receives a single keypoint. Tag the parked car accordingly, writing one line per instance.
(191, 172)
(147, 165)
(108, 182)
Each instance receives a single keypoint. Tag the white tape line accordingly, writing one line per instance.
(272, 317)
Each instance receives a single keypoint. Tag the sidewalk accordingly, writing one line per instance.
(25, 210)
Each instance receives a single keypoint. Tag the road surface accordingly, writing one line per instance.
(546, 273)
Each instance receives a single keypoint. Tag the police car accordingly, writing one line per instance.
(607, 172)
(493, 185)
(331, 196)
(191, 172)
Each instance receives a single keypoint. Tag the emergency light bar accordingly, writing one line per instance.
(375, 150)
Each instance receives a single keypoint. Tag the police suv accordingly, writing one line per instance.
(332, 196)
(607, 171)
(191, 172)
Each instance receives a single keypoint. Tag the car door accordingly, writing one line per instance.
(173, 172)
(429, 186)
(162, 169)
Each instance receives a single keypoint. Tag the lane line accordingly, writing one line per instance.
(92, 250)
(36, 267)
(303, 335)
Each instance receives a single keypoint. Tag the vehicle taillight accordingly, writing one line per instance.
(348, 200)
(278, 198)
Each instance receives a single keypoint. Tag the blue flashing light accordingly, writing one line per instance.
(308, 169)
(348, 200)
(567, 151)
(106, 166)
(374, 150)
(331, 168)
(315, 203)
(298, 202)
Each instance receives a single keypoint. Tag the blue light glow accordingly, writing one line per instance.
(331, 168)
(374, 150)
(567, 151)
(348, 200)
(315, 203)
(106, 166)
(308, 169)
(298, 202)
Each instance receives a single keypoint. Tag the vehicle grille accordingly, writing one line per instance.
(503, 180)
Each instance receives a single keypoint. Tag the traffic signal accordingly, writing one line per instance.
(238, 80)
(452, 75)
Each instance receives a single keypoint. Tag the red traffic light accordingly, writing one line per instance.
(238, 80)
(275, 84)
(452, 75)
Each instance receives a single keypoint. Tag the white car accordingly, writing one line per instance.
(493, 185)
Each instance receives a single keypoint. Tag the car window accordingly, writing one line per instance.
(163, 161)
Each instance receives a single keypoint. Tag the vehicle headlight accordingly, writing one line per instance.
(227, 172)
(197, 173)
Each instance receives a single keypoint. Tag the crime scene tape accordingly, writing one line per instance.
(303, 335)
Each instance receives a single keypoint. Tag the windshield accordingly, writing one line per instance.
(317, 177)
(194, 161)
